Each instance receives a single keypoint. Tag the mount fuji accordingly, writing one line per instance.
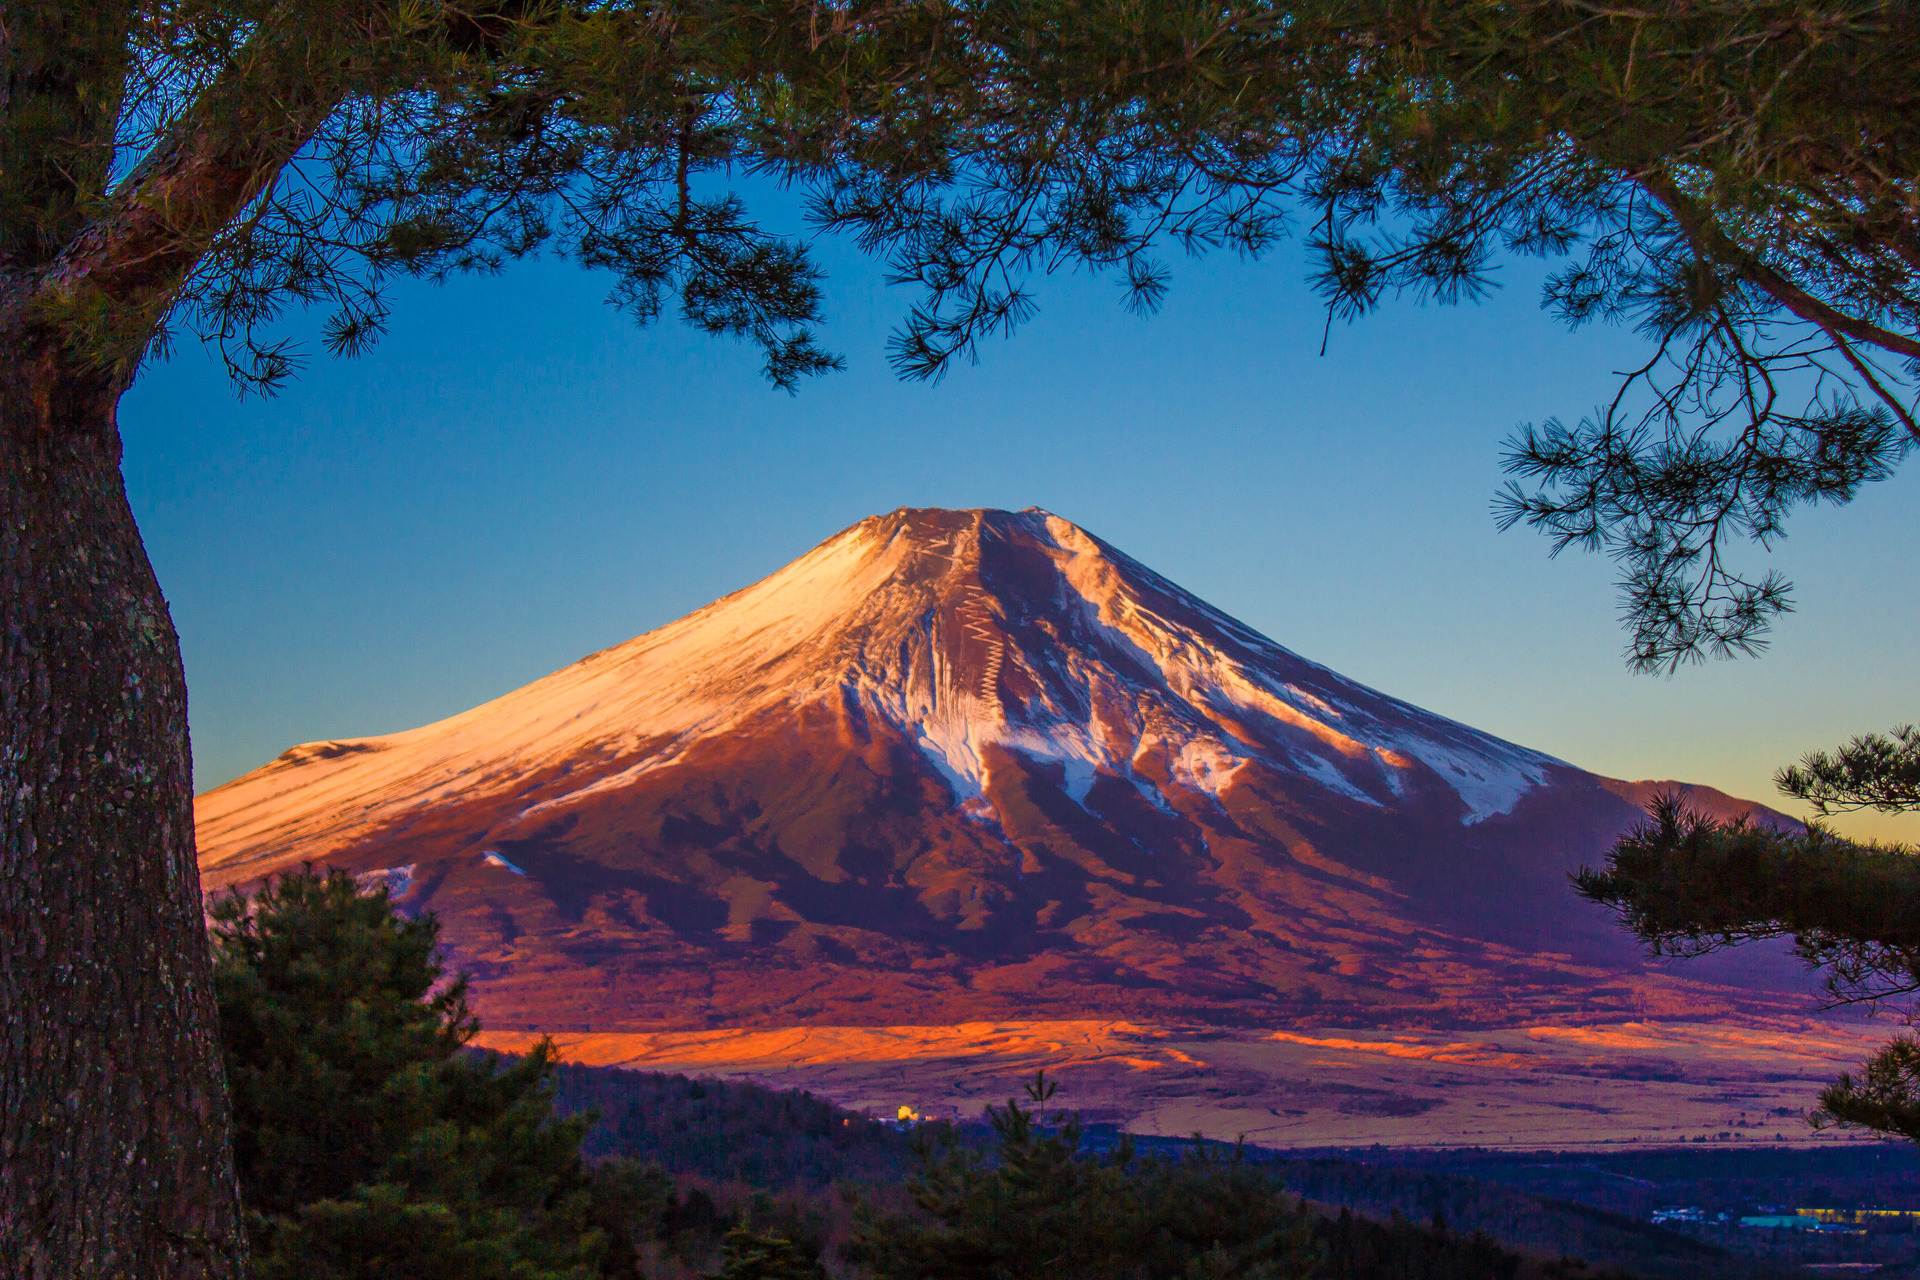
(961, 765)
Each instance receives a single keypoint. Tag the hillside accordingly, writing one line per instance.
(964, 765)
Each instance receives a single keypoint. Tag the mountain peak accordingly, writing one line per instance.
(975, 758)
(946, 539)
(968, 633)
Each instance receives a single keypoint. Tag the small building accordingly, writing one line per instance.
(1680, 1213)
(1860, 1217)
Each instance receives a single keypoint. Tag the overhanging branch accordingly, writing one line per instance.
(114, 281)
(1716, 244)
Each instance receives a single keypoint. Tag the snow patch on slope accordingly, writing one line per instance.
(1206, 765)
(396, 880)
(1487, 784)
(954, 751)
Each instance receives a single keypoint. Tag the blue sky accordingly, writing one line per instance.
(517, 476)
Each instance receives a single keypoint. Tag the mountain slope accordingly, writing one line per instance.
(957, 764)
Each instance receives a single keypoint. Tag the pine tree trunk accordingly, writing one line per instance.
(114, 1148)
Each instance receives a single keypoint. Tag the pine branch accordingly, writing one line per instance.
(1716, 244)
(114, 282)
(1871, 772)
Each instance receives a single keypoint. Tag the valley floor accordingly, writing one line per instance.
(1565, 1087)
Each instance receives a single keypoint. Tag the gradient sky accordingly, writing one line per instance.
(518, 476)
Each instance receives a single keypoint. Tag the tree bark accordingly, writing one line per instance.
(115, 1158)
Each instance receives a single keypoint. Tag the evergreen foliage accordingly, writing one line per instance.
(1356, 1249)
(368, 1145)
(1472, 1207)
(1874, 771)
(1041, 1206)
(1735, 179)
(727, 1130)
(1687, 884)
(1727, 200)
(1045, 1208)
(716, 1133)
(747, 1256)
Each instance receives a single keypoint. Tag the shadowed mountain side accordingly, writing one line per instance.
(975, 765)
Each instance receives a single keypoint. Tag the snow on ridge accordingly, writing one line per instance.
(1489, 775)
(1487, 785)
(1205, 764)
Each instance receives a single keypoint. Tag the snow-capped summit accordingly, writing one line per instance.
(946, 743)
(960, 630)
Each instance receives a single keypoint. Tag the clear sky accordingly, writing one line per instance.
(518, 476)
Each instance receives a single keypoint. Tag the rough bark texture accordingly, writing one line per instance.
(114, 1146)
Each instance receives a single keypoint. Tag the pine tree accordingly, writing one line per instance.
(1687, 885)
(369, 1143)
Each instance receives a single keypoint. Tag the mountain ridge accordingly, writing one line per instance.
(967, 763)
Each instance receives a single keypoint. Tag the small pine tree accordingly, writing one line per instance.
(368, 1145)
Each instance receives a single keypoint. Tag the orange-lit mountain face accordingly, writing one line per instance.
(959, 765)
